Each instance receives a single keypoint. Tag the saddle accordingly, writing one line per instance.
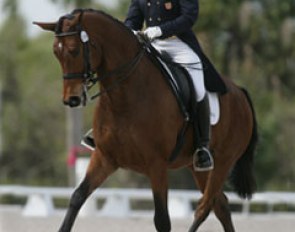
(183, 89)
(177, 78)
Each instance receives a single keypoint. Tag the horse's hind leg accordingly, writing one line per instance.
(222, 212)
(210, 184)
(201, 212)
(159, 184)
(98, 170)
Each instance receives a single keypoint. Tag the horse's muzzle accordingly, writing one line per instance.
(73, 101)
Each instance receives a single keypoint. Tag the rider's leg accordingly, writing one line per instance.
(202, 158)
(181, 53)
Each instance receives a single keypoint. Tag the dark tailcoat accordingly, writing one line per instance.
(175, 18)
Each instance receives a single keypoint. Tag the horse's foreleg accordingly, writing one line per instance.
(222, 212)
(76, 201)
(159, 184)
(98, 170)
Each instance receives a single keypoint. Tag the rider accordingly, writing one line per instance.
(169, 25)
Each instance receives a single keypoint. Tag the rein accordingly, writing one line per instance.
(124, 71)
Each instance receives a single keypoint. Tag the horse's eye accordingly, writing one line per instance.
(74, 51)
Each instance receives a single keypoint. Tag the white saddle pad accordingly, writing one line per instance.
(214, 108)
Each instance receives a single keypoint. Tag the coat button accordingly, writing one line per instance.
(149, 4)
(158, 3)
(159, 19)
(150, 19)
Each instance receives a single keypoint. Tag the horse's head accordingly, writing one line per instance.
(78, 56)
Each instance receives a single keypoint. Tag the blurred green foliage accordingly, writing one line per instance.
(251, 42)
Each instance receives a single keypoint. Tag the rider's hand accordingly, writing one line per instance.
(135, 32)
(153, 32)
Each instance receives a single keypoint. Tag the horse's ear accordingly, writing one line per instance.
(77, 19)
(46, 26)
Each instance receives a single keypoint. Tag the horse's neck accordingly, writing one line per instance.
(118, 51)
(119, 47)
(118, 44)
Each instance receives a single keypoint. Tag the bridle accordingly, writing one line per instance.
(90, 77)
(87, 74)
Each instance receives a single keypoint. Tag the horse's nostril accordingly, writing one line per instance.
(74, 101)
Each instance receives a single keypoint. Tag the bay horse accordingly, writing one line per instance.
(137, 119)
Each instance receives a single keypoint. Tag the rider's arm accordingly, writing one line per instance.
(189, 10)
(135, 16)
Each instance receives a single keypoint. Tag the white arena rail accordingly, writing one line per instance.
(118, 202)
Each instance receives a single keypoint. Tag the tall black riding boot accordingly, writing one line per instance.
(202, 158)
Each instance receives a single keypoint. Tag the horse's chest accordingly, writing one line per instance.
(119, 144)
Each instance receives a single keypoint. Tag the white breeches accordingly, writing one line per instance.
(181, 53)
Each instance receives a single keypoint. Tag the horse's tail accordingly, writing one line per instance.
(242, 176)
